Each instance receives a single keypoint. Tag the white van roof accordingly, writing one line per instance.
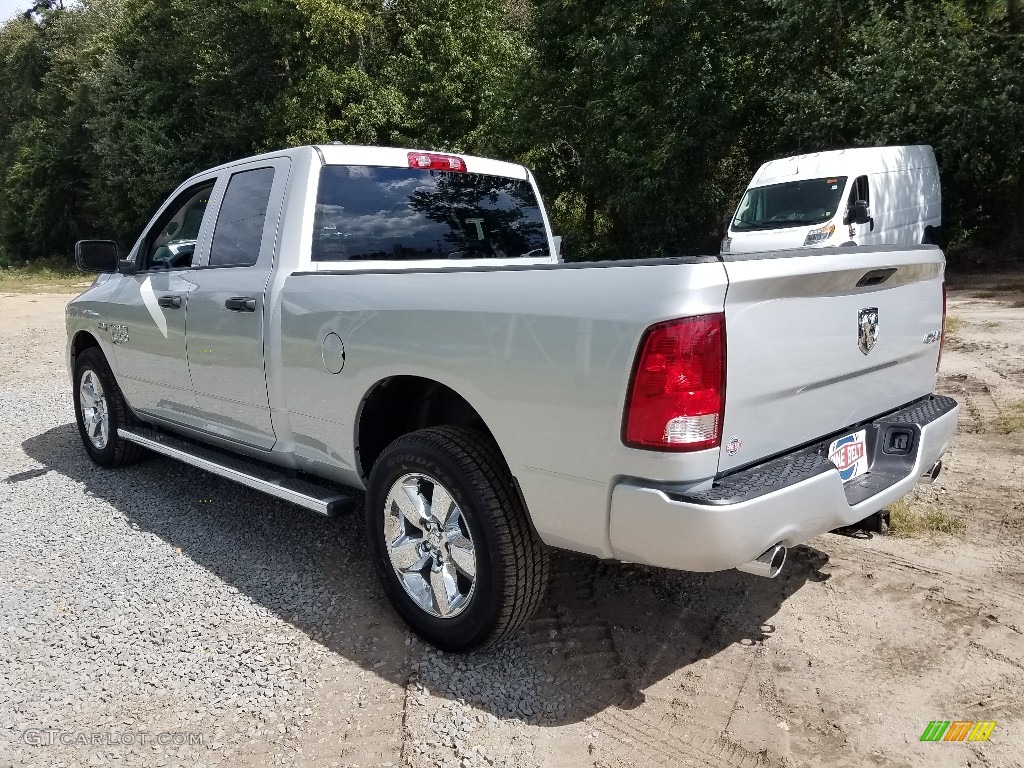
(844, 162)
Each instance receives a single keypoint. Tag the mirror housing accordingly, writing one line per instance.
(859, 213)
(126, 267)
(96, 255)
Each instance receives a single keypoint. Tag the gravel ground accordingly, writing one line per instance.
(158, 616)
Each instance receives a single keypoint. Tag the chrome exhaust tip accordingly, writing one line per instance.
(768, 563)
(932, 474)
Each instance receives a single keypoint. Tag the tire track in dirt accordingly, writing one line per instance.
(583, 656)
(982, 592)
(982, 410)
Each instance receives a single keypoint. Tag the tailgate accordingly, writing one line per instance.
(799, 365)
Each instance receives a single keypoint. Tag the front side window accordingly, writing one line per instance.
(374, 213)
(239, 231)
(791, 204)
(173, 240)
(860, 191)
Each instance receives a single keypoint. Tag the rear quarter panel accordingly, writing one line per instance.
(544, 355)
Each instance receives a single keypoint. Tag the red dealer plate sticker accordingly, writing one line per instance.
(850, 455)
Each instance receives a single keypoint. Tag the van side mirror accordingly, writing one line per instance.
(860, 212)
(96, 255)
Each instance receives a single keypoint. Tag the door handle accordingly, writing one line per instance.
(241, 304)
(171, 302)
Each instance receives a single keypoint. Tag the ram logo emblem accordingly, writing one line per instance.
(867, 329)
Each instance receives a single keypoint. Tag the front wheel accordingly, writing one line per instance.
(451, 540)
(100, 409)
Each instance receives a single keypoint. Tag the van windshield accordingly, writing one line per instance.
(791, 204)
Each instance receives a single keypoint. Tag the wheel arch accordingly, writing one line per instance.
(398, 405)
(81, 341)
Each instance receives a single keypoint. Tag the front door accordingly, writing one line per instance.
(148, 322)
(226, 319)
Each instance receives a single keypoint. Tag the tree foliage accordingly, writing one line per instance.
(643, 120)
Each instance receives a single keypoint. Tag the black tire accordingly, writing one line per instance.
(115, 452)
(511, 562)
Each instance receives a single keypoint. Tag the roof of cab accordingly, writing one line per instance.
(844, 162)
(350, 154)
(353, 154)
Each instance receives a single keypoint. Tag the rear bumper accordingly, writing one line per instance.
(787, 500)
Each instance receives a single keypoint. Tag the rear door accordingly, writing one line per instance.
(226, 308)
(819, 340)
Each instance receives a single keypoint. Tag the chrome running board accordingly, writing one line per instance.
(249, 472)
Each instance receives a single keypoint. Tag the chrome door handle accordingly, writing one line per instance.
(241, 304)
(171, 302)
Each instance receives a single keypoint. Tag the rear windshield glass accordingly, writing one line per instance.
(792, 204)
(365, 212)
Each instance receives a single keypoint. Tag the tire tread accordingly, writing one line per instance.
(124, 451)
(524, 566)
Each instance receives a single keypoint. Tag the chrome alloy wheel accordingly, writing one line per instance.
(430, 546)
(95, 417)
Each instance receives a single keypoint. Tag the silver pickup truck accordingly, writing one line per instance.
(329, 318)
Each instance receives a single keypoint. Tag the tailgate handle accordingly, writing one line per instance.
(876, 277)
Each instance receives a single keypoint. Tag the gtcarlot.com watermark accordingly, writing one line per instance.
(48, 737)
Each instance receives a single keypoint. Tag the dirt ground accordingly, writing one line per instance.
(841, 661)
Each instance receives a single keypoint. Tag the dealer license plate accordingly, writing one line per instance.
(850, 455)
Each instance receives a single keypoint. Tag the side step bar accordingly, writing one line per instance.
(249, 472)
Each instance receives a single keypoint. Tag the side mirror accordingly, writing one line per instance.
(96, 255)
(860, 212)
(558, 245)
(726, 222)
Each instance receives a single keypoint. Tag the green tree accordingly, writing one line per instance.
(629, 119)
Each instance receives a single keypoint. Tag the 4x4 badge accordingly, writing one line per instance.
(867, 329)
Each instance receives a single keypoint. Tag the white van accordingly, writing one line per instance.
(872, 196)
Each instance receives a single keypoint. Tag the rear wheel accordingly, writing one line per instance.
(100, 409)
(451, 540)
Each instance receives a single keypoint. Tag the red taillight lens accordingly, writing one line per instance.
(431, 161)
(676, 397)
(942, 338)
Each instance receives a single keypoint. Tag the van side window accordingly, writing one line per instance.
(860, 191)
(239, 231)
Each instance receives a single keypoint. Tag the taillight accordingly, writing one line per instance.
(942, 337)
(431, 161)
(676, 397)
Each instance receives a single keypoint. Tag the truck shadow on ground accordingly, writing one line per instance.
(605, 633)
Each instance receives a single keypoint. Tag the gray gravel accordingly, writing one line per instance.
(158, 599)
(154, 599)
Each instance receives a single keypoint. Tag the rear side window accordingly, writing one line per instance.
(401, 214)
(239, 231)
